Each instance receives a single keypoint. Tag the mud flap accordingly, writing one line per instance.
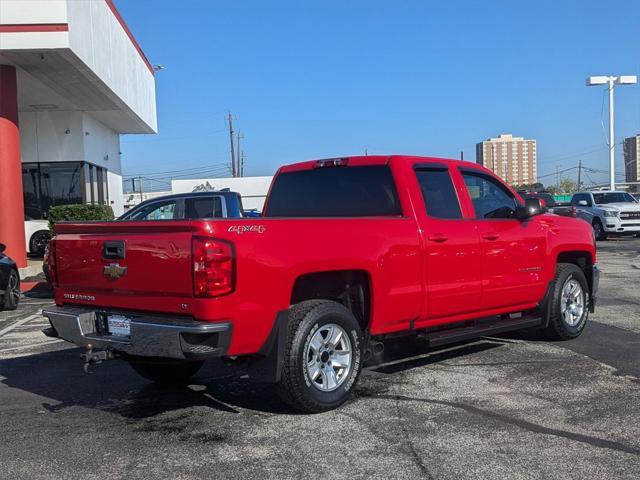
(544, 308)
(266, 367)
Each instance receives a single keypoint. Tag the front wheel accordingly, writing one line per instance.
(598, 230)
(323, 356)
(569, 297)
(166, 373)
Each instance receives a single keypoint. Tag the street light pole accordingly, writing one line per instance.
(611, 80)
(612, 139)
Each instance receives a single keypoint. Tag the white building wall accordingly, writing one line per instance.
(101, 145)
(253, 189)
(116, 201)
(44, 137)
(33, 11)
(98, 38)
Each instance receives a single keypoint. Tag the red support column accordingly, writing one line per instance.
(11, 199)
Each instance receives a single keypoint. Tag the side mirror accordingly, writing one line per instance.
(583, 203)
(3, 247)
(532, 207)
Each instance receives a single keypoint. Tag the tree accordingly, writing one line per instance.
(568, 186)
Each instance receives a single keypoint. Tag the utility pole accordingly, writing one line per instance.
(242, 157)
(238, 169)
(140, 183)
(557, 178)
(579, 174)
(461, 155)
(366, 151)
(233, 155)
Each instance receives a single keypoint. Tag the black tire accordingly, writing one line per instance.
(38, 242)
(11, 297)
(305, 320)
(558, 328)
(167, 373)
(598, 230)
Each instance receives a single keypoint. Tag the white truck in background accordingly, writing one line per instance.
(608, 212)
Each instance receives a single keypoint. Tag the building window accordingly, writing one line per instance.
(61, 183)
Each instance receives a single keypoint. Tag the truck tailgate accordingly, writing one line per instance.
(125, 258)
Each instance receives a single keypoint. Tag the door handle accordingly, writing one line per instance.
(438, 238)
(491, 236)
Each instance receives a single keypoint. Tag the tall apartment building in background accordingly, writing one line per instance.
(631, 155)
(513, 159)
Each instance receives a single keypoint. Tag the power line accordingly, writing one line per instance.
(199, 173)
(182, 170)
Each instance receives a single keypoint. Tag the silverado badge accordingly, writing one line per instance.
(114, 271)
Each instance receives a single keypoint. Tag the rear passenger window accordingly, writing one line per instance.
(364, 191)
(209, 207)
(439, 193)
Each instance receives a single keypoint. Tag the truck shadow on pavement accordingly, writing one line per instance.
(114, 387)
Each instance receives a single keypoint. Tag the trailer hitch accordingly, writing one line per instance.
(91, 357)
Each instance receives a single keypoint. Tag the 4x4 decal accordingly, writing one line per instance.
(240, 229)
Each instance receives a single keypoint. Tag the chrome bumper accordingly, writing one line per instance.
(151, 335)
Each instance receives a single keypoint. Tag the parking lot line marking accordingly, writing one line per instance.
(24, 347)
(18, 323)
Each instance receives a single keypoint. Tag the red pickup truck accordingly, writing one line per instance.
(349, 251)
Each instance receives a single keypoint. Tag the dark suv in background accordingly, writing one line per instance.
(214, 204)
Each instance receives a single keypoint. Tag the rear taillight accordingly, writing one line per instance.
(213, 267)
(53, 272)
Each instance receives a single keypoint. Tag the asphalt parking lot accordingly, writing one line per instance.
(512, 407)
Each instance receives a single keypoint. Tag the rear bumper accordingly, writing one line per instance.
(151, 335)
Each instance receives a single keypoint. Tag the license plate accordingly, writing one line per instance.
(119, 326)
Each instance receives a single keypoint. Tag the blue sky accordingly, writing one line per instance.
(310, 79)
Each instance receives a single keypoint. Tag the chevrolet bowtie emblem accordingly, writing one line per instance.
(114, 271)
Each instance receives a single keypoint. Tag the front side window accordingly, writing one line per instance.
(491, 199)
(339, 191)
(578, 197)
(439, 194)
(155, 211)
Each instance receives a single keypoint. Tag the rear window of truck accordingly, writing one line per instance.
(367, 191)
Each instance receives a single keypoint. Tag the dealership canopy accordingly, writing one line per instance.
(72, 79)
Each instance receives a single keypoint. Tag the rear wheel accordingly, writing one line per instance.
(11, 297)
(167, 373)
(569, 298)
(598, 230)
(322, 358)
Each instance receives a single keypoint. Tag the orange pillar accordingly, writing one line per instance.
(11, 199)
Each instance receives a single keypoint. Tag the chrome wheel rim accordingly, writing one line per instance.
(328, 357)
(572, 302)
(40, 242)
(14, 288)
